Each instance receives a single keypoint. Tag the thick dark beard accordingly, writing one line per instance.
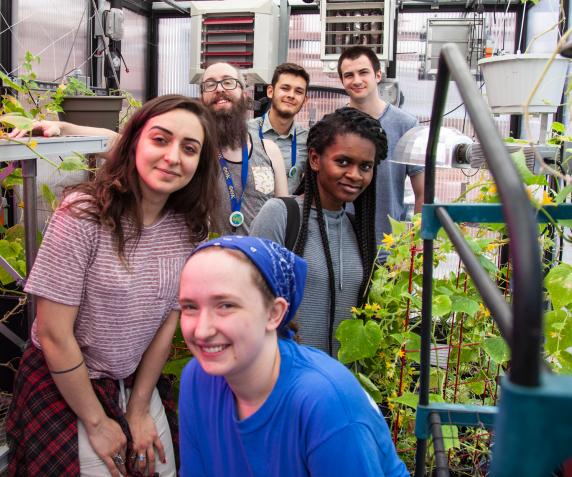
(231, 127)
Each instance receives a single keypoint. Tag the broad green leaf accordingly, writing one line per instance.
(411, 399)
(477, 387)
(16, 120)
(558, 282)
(450, 436)
(5, 277)
(376, 291)
(411, 343)
(527, 177)
(563, 194)
(557, 330)
(357, 340)
(441, 305)
(558, 127)
(15, 178)
(464, 304)
(477, 248)
(7, 81)
(371, 388)
(49, 196)
(73, 163)
(397, 228)
(497, 349)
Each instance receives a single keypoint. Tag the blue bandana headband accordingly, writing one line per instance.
(284, 271)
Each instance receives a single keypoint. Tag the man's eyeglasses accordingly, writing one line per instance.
(227, 83)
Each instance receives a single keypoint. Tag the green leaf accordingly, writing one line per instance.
(411, 342)
(528, 177)
(357, 340)
(557, 330)
(464, 304)
(450, 436)
(441, 305)
(497, 349)
(17, 120)
(563, 194)
(411, 399)
(376, 291)
(7, 81)
(477, 387)
(176, 366)
(371, 388)
(73, 163)
(558, 127)
(13, 179)
(558, 282)
(397, 228)
(49, 196)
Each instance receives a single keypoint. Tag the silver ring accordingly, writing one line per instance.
(141, 458)
(117, 459)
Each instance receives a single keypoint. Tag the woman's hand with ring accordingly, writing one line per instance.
(145, 441)
(109, 442)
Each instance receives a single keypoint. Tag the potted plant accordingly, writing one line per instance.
(72, 100)
(81, 105)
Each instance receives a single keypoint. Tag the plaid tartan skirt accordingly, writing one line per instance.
(42, 429)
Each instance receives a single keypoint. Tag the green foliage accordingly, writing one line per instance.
(477, 353)
(358, 340)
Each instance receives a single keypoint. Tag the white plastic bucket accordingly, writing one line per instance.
(509, 80)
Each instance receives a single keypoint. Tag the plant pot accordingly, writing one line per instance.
(96, 111)
(510, 78)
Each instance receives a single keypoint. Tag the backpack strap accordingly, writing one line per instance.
(292, 221)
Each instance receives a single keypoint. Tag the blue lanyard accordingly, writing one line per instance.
(293, 150)
(235, 202)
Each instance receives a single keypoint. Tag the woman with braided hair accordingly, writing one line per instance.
(344, 149)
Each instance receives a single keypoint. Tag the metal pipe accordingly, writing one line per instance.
(283, 29)
(519, 216)
(29, 171)
(441, 87)
(441, 461)
(493, 298)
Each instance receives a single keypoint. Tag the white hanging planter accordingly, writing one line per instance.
(509, 80)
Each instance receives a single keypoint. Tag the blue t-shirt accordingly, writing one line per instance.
(317, 421)
(390, 183)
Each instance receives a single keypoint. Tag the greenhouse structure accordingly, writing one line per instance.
(285, 237)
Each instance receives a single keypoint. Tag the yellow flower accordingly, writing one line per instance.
(387, 241)
(553, 334)
(492, 189)
(61, 86)
(32, 144)
(491, 247)
(375, 307)
(485, 310)
(547, 199)
(401, 353)
(355, 311)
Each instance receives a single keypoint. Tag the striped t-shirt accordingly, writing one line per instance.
(120, 309)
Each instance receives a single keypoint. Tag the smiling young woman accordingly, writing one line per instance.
(344, 149)
(106, 279)
(254, 402)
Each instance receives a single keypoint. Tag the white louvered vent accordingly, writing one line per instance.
(244, 34)
(348, 23)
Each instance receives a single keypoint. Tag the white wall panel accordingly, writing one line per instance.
(174, 57)
(134, 50)
(47, 28)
